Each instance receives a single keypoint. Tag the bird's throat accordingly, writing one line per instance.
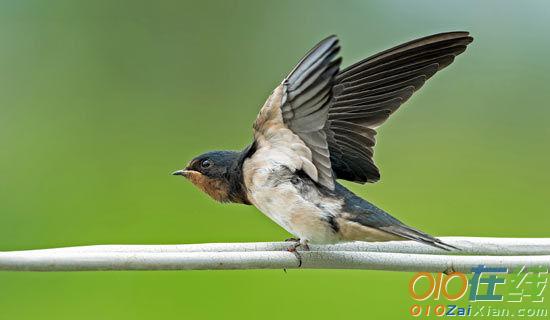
(218, 189)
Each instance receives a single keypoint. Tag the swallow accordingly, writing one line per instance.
(319, 126)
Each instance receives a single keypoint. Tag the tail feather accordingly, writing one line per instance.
(417, 235)
(361, 211)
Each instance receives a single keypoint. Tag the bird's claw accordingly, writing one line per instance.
(297, 254)
(449, 270)
(294, 249)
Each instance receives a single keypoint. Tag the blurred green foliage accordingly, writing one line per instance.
(101, 100)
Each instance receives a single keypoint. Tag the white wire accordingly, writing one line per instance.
(395, 256)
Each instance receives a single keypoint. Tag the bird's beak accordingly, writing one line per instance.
(182, 172)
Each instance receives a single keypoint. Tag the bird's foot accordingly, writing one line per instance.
(292, 240)
(449, 270)
(294, 249)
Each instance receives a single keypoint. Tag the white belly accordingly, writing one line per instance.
(274, 194)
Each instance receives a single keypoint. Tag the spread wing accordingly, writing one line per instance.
(301, 104)
(368, 92)
(327, 119)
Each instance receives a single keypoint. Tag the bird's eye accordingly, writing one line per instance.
(206, 163)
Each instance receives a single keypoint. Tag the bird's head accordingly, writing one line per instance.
(211, 172)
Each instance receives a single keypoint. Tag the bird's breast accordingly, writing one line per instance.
(291, 201)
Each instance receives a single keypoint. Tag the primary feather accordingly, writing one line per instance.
(368, 92)
(336, 113)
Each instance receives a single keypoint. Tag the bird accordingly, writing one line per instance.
(317, 127)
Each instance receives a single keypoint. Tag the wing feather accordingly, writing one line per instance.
(304, 99)
(368, 92)
(334, 114)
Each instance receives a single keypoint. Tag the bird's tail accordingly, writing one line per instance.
(410, 233)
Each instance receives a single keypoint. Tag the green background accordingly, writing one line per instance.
(101, 100)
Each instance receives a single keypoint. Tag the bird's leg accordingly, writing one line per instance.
(294, 247)
(292, 240)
